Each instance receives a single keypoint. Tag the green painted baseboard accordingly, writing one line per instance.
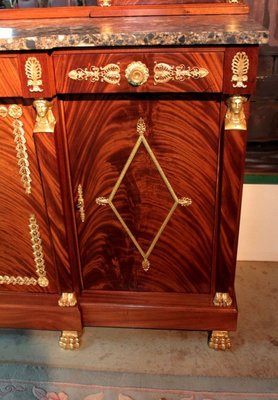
(265, 179)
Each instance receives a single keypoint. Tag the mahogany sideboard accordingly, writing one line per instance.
(122, 140)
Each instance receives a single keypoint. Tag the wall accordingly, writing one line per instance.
(258, 237)
(262, 149)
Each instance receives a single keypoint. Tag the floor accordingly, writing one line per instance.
(254, 350)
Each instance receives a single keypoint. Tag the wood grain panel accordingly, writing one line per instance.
(183, 134)
(149, 310)
(47, 159)
(143, 2)
(125, 10)
(212, 61)
(26, 310)
(10, 85)
(68, 205)
(16, 254)
(166, 8)
(234, 144)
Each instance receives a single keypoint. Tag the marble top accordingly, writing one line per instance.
(130, 31)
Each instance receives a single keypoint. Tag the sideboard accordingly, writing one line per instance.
(122, 155)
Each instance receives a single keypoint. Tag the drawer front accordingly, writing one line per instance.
(91, 72)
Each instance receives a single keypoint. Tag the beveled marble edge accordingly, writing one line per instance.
(130, 31)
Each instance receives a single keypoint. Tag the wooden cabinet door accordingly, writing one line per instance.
(26, 255)
(144, 174)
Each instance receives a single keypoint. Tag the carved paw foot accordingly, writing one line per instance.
(219, 340)
(69, 340)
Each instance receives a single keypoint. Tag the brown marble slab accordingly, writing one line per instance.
(130, 31)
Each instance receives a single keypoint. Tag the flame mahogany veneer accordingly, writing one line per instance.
(95, 132)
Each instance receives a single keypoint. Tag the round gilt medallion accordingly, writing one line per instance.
(15, 111)
(43, 282)
(137, 73)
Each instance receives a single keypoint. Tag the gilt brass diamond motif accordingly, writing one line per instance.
(184, 201)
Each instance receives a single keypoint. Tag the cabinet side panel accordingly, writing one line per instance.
(9, 78)
(47, 159)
